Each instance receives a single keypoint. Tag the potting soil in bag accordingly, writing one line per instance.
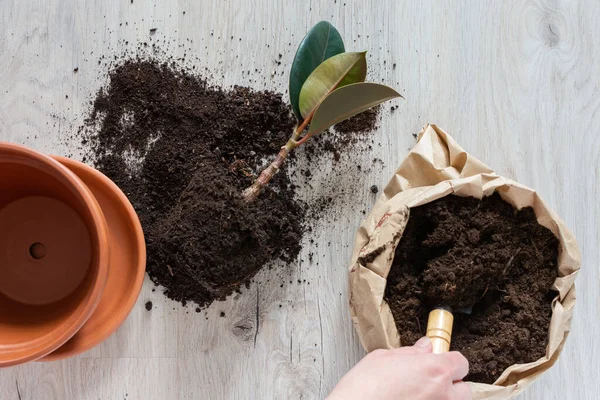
(544, 253)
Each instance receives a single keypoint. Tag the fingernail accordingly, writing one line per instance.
(423, 342)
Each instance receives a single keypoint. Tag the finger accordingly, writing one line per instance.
(422, 346)
(460, 365)
(462, 391)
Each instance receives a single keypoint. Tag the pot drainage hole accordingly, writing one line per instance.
(37, 250)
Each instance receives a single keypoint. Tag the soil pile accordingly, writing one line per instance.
(364, 122)
(182, 152)
(463, 252)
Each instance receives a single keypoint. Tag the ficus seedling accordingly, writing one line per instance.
(327, 86)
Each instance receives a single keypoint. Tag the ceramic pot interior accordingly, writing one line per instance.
(49, 250)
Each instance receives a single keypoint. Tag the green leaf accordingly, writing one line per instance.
(348, 101)
(320, 43)
(340, 70)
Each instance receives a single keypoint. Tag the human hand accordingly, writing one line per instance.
(406, 373)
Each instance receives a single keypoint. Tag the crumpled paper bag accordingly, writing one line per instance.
(436, 167)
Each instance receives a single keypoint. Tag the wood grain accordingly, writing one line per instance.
(516, 83)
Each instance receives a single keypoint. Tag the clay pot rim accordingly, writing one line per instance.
(90, 301)
(136, 284)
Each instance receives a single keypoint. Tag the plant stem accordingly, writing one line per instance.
(251, 193)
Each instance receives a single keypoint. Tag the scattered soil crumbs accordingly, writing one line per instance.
(364, 122)
(148, 305)
(182, 152)
(462, 252)
(345, 135)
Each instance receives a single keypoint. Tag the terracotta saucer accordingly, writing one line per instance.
(127, 263)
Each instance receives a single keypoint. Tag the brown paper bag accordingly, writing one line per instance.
(436, 167)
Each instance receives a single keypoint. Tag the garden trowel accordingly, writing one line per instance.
(439, 327)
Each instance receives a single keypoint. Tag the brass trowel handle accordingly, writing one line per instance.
(439, 329)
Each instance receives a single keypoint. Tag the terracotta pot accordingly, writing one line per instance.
(127, 262)
(54, 254)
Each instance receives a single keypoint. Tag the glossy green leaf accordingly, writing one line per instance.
(340, 70)
(348, 101)
(320, 43)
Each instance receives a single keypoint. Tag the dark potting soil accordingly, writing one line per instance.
(463, 252)
(364, 122)
(183, 151)
(344, 137)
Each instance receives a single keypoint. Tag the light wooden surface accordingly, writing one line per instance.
(516, 83)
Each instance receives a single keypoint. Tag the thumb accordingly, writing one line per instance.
(422, 346)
